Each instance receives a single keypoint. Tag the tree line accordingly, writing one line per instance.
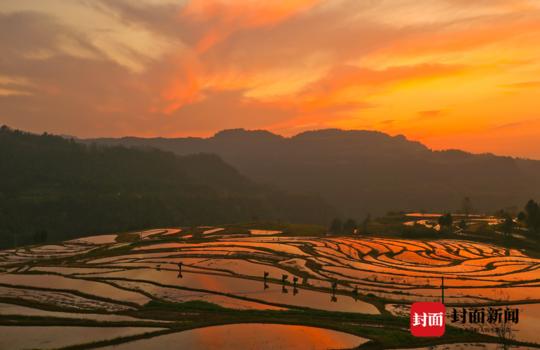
(528, 218)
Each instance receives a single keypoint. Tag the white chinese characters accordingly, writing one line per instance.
(428, 319)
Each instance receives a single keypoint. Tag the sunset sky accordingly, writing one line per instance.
(450, 73)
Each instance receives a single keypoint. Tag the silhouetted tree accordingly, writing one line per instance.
(365, 224)
(532, 219)
(349, 227)
(336, 227)
(463, 225)
(446, 221)
(508, 225)
(466, 206)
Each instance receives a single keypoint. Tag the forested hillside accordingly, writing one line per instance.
(362, 172)
(54, 188)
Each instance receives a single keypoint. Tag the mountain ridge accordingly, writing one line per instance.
(363, 171)
(327, 131)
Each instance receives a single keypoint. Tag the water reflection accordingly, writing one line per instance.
(51, 337)
(249, 336)
(244, 288)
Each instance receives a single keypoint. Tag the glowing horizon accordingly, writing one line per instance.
(452, 74)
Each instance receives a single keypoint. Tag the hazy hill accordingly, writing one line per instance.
(366, 171)
(70, 189)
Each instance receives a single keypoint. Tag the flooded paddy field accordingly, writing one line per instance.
(166, 287)
(250, 336)
(14, 337)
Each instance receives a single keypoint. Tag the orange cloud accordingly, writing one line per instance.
(349, 84)
(225, 17)
(461, 37)
(183, 86)
(445, 71)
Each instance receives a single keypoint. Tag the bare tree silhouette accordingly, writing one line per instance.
(505, 334)
(504, 331)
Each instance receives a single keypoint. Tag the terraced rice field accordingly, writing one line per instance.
(250, 336)
(100, 280)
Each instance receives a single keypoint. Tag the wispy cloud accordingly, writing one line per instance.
(436, 69)
(523, 85)
(517, 125)
(430, 114)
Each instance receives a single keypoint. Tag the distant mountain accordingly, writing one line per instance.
(363, 172)
(67, 189)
